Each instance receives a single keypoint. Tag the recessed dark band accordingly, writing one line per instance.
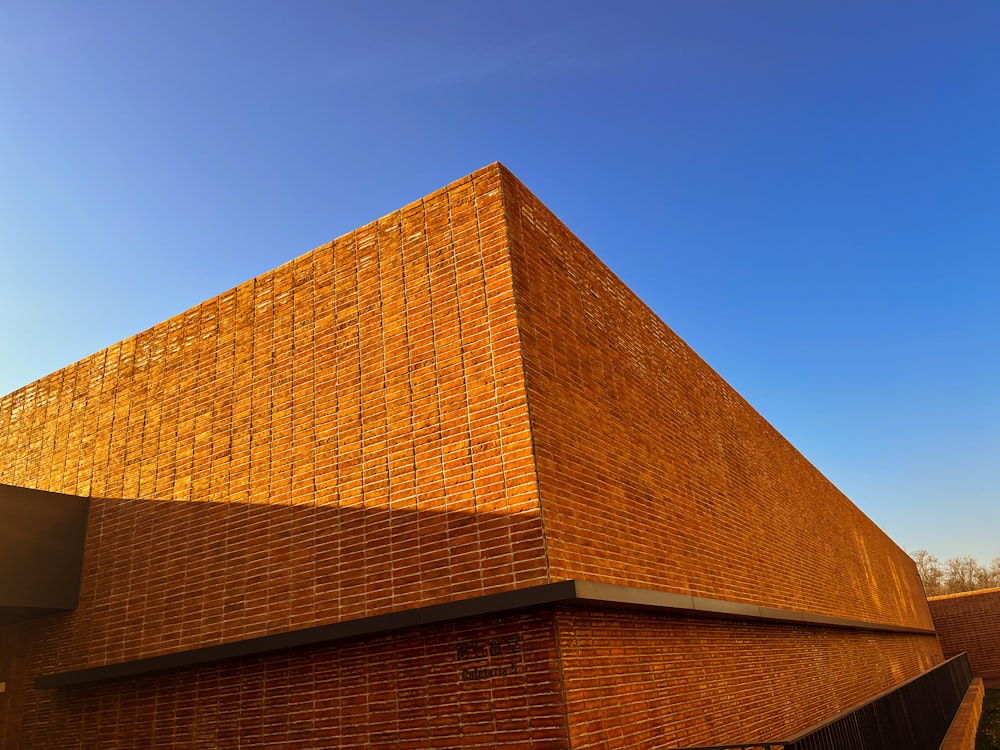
(576, 592)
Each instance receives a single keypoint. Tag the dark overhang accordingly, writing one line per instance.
(42, 536)
(573, 593)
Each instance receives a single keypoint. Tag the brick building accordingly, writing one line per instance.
(443, 482)
(970, 622)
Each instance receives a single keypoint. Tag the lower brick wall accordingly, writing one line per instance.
(542, 679)
(647, 681)
(434, 687)
(970, 622)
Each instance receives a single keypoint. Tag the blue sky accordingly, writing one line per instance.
(808, 193)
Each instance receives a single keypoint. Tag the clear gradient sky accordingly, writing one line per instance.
(807, 192)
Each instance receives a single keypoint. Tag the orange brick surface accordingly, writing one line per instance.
(970, 622)
(406, 690)
(344, 436)
(456, 400)
(641, 680)
(654, 472)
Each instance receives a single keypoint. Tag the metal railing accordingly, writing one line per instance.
(912, 716)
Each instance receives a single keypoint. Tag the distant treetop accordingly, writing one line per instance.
(955, 575)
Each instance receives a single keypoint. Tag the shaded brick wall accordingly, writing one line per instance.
(13, 672)
(654, 472)
(638, 680)
(343, 436)
(970, 622)
(405, 690)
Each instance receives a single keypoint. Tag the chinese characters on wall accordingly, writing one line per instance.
(485, 658)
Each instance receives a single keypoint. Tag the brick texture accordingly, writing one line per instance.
(407, 690)
(970, 622)
(638, 680)
(654, 472)
(344, 436)
(455, 400)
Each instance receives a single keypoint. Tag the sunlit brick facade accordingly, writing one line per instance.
(443, 482)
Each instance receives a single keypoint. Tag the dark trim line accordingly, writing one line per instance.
(594, 593)
(505, 601)
(574, 592)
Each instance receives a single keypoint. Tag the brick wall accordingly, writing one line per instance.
(970, 622)
(406, 690)
(385, 423)
(642, 680)
(654, 472)
(584, 679)
(343, 436)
